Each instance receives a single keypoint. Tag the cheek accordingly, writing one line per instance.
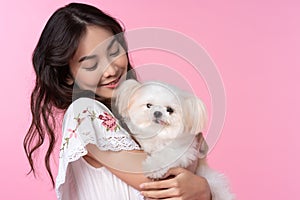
(139, 116)
(176, 119)
(86, 79)
(122, 62)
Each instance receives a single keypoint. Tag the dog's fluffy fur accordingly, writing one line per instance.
(167, 122)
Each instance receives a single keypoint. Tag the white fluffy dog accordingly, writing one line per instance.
(167, 122)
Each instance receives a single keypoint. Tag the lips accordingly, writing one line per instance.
(111, 84)
(161, 122)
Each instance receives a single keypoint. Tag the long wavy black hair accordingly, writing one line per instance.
(57, 45)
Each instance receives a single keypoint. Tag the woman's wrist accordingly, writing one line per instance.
(208, 189)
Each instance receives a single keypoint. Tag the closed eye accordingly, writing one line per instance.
(91, 68)
(115, 53)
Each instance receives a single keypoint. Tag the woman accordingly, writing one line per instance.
(66, 73)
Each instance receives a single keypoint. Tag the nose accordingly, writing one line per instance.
(157, 114)
(111, 70)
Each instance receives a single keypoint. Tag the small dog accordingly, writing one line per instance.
(164, 120)
(167, 123)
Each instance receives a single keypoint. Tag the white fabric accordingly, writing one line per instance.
(88, 121)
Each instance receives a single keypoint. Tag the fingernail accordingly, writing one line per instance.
(143, 193)
(142, 185)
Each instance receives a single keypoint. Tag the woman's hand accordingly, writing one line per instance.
(184, 186)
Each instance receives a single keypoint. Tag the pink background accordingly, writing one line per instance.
(255, 45)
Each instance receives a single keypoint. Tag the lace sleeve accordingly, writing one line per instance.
(89, 122)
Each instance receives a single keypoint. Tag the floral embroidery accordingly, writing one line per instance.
(91, 114)
(109, 122)
(72, 132)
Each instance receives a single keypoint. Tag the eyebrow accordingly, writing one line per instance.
(95, 56)
(111, 43)
(87, 58)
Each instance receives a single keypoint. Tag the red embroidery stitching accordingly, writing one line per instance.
(109, 122)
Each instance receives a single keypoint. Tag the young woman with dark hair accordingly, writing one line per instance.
(76, 75)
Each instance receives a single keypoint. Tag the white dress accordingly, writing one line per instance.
(89, 121)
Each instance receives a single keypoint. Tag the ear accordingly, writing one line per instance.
(194, 114)
(70, 80)
(203, 148)
(122, 95)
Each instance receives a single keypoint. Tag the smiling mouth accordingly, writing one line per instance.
(111, 84)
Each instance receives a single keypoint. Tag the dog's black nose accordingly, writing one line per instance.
(157, 114)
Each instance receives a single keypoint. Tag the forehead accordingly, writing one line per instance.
(157, 92)
(93, 37)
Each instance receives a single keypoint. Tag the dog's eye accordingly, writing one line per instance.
(170, 110)
(149, 105)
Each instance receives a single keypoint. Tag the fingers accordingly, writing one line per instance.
(174, 171)
(172, 198)
(169, 183)
(164, 189)
(158, 194)
(159, 184)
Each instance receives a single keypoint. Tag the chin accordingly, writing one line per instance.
(104, 92)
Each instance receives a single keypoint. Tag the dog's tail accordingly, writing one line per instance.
(217, 181)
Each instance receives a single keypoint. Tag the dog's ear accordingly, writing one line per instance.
(122, 95)
(194, 114)
(203, 147)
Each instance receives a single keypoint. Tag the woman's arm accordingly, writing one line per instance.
(127, 165)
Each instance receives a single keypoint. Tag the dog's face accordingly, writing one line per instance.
(156, 108)
(159, 112)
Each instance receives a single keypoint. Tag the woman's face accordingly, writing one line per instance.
(99, 62)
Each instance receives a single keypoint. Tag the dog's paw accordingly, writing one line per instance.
(157, 174)
(153, 171)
